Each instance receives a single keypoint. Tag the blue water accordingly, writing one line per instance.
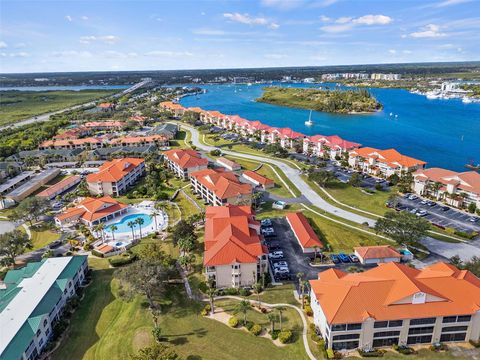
(445, 133)
(65, 88)
(122, 224)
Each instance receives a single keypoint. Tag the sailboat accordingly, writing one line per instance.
(309, 122)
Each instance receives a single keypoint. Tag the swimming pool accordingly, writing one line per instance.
(122, 225)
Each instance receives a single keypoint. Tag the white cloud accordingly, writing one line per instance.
(250, 20)
(3, 45)
(324, 18)
(72, 54)
(346, 23)
(407, 52)
(84, 17)
(119, 55)
(203, 13)
(161, 53)
(392, 51)
(428, 31)
(451, 2)
(68, 18)
(21, 54)
(210, 32)
(275, 56)
(107, 39)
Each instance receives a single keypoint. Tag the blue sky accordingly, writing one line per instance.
(77, 35)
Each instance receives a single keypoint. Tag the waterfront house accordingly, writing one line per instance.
(91, 211)
(183, 162)
(456, 189)
(258, 180)
(218, 187)
(116, 176)
(304, 233)
(330, 146)
(32, 301)
(53, 191)
(234, 255)
(228, 164)
(377, 254)
(383, 162)
(176, 109)
(394, 304)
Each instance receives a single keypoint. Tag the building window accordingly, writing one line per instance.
(422, 321)
(380, 324)
(357, 326)
(38, 332)
(385, 342)
(40, 343)
(464, 318)
(453, 337)
(347, 345)
(419, 339)
(454, 328)
(449, 319)
(339, 327)
(346, 337)
(384, 324)
(421, 330)
(45, 322)
(386, 334)
(395, 323)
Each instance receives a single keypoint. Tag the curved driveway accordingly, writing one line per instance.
(293, 175)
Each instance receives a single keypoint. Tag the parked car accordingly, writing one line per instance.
(268, 231)
(424, 202)
(55, 244)
(344, 258)
(422, 213)
(354, 258)
(473, 219)
(407, 195)
(413, 197)
(276, 255)
(413, 211)
(281, 271)
(266, 223)
(431, 203)
(445, 208)
(334, 258)
(279, 264)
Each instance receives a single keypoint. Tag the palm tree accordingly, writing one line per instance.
(113, 228)
(153, 216)
(257, 289)
(281, 309)
(101, 228)
(303, 284)
(315, 249)
(272, 317)
(140, 222)
(131, 224)
(211, 293)
(300, 276)
(242, 307)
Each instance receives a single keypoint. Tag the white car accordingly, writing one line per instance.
(413, 197)
(424, 202)
(276, 255)
(422, 213)
(413, 211)
(281, 270)
(280, 264)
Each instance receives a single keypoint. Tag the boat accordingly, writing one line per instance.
(309, 122)
(391, 114)
(472, 166)
(466, 100)
(433, 95)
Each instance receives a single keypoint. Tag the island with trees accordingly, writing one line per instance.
(332, 101)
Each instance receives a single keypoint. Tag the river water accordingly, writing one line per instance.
(445, 133)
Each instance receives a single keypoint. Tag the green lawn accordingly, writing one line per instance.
(43, 238)
(18, 105)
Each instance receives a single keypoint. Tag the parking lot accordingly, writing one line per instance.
(436, 214)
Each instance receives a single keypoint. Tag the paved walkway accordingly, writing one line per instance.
(293, 175)
(296, 308)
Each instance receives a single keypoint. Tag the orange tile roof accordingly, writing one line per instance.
(83, 141)
(467, 181)
(104, 248)
(91, 209)
(257, 177)
(303, 231)
(224, 184)
(105, 105)
(229, 236)
(391, 157)
(227, 162)
(65, 183)
(113, 124)
(386, 292)
(171, 105)
(377, 252)
(195, 109)
(138, 139)
(185, 158)
(115, 170)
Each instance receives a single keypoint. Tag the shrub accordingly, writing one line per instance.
(263, 310)
(233, 322)
(308, 310)
(475, 343)
(215, 152)
(206, 310)
(371, 353)
(274, 334)
(312, 327)
(230, 291)
(405, 350)
(438, 347)
(315, 337)
(256, 329)
(249, 325)
(122, 260)
(244, 292)
(330, 354)
(285, 337)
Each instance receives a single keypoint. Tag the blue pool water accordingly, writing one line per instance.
(122, 224)
(445, 133)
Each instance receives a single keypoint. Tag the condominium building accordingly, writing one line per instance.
(331, 146)
(304, 233)
(383, 162)
(396, 304)
(218, 187)
(116, 176)
(60, 187)
(91, 211)
(84, 143)
(234, 255)
(258, 180)
(177, 109)
(183, 162)
(32, 299)
(228, 164)
(457, 189)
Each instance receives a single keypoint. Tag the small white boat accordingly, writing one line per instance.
(466, 100)
(391, 114)
(309, 122)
